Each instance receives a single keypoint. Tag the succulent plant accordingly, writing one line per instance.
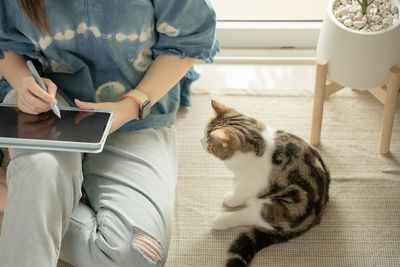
(364, 5)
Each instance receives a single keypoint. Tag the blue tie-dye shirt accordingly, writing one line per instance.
(100, 49)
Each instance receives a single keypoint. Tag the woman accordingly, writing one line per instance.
(103, 55)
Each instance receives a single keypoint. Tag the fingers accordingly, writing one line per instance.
(36, 90)
(31, 104)
(85, 105)
(32, 98)
(51, 87)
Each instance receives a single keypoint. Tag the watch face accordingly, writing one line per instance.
(145, 110)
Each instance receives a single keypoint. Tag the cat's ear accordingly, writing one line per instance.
(218, 107)
(221, 137)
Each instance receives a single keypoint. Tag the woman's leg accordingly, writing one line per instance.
(3, 190)
(131, 189)
(3, 185)
(43, 190)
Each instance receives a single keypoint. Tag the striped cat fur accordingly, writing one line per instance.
(280, 179)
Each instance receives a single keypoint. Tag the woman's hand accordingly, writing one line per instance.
(32, 98)
(124, 111)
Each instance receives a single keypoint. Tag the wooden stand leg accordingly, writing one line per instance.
(389, 109)
(319, 97)
(379, 93)
(331, 88)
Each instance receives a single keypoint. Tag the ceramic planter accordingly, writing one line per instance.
(359, 60)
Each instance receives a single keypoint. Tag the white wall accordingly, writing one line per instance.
(270, 9)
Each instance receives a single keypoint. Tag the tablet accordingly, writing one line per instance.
(77, 130)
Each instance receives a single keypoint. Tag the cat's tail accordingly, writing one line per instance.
(245, 247)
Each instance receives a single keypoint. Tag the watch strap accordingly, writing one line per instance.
(137, 95)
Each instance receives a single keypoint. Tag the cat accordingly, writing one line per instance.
(281, 180)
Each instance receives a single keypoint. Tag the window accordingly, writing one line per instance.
(266, 30)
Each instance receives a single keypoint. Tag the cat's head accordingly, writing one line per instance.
(230, 131)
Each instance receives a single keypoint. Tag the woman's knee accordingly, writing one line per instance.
(132, 246)
(45, 172)
(149, 247)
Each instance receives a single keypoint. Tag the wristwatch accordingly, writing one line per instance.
(142, 99)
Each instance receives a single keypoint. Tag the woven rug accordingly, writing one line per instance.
(361, 226)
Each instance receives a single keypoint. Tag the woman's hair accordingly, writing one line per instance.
(36, 11)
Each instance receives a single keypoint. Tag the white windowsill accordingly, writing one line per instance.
(267, 42)
(266, 56)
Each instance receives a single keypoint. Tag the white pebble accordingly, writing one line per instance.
(359, 24)
(353, 9)
(376, 28)
(388, 9)
(375, 18)
(342, 11)
(348, 22)
(381, 14)
(387, 21)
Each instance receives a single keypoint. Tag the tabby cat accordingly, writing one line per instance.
(281, 180)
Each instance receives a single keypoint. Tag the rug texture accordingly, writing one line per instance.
(361, 225)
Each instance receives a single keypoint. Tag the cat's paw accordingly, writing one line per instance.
(220, 223)
(230, 201)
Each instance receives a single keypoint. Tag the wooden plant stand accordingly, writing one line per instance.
(386, 94)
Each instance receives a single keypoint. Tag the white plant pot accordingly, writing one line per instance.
(359, 60)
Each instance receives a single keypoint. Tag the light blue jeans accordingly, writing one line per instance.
(131, 190)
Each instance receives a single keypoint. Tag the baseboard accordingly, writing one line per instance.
(266, 56)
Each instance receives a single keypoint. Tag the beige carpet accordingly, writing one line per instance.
(361, 226)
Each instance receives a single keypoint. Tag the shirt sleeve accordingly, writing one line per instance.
(186, 28)
(11, 40)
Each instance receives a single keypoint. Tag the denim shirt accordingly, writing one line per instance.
(100, 49)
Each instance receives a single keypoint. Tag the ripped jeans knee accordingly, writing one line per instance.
(148, 246)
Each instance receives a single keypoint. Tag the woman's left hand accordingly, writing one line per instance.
(124, 111)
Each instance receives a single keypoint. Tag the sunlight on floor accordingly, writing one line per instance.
(215, 77)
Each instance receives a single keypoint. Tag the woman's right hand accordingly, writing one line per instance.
(32, 98)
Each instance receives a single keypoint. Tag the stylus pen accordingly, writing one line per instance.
(41, 83)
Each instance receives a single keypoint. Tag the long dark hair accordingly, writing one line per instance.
(36, 11)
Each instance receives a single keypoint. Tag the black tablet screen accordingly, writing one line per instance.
(74, 125)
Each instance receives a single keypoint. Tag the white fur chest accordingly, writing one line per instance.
(253, 170)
